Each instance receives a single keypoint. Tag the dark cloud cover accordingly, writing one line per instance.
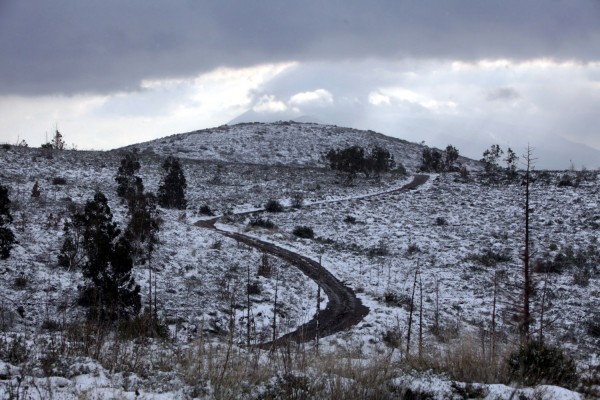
(69, 46)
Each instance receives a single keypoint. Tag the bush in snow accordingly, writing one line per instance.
(261, 223)
(440, 221)
(205, 210)
(273, 206)
(58, 180)
(305, 232)
(298, 200)
(536, 362)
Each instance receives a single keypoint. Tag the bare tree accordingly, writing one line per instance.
(410, 314)
(275, 303)
(527, 282)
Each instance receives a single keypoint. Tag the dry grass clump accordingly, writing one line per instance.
(465, 360)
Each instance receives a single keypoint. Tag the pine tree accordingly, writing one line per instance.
(129, 186)
(171, 192)
(7, 238)
(111, 290)
(451, 158)
(57, 141)
(143, 228)
(70, 253)
(431, 160)
(511, 163)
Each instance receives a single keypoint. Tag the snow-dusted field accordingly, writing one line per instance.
(393, 235)
(372, 243)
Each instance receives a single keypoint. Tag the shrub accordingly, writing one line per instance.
(50, 325)
(57, 180)
(205, 210)
(397, 299)
(581, 277)
(6, 146)
(547, 267)
(593, 326)
(565, 180)
(254, 288)
(412, 249)
(261, 223)
(298, 200)
(380, 250)
(305, 232)
(440, 221)
(35, 191)
(21, 282)
(350, 219)
(273, 206)
(536, 362)
(143, 326)
(392, 338)
(490, 258)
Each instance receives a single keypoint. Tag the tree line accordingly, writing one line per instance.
(104, 252)
(355, 159)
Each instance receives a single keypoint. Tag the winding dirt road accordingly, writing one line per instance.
(343, 310)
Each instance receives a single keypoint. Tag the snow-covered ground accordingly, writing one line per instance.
(281, 143)
(372, 243)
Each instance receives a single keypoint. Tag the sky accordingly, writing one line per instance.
(469, 73)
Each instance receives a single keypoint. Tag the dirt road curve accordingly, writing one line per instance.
(343, 310)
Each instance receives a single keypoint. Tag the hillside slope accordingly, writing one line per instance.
(281, 143)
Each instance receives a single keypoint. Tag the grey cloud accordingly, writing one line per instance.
(502, 94)
(100, 47)
(558, 105)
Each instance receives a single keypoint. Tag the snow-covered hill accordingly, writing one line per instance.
(281, 143)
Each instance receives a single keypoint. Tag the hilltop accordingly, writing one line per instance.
(281, 143)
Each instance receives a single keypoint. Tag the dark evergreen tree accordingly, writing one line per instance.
(7, 238)
(451, 158)
(353, 160)
(380, 160)
(171, 192)
(129, 186)
(491, 157)
(142, 230)
(511, 163)
(431, 160)
(111, 291)
(350, 160)
(57, 141)
(70, 255)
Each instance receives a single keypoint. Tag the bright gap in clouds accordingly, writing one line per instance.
(468, 104)
(160, 108)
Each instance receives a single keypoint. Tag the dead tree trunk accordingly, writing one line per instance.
(248, 306)
(527, 286)
(410, 314)
(493, 327)
(275, 306)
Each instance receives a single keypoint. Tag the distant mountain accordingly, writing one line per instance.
(252, 116)
(560, 153)
(281, 143)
